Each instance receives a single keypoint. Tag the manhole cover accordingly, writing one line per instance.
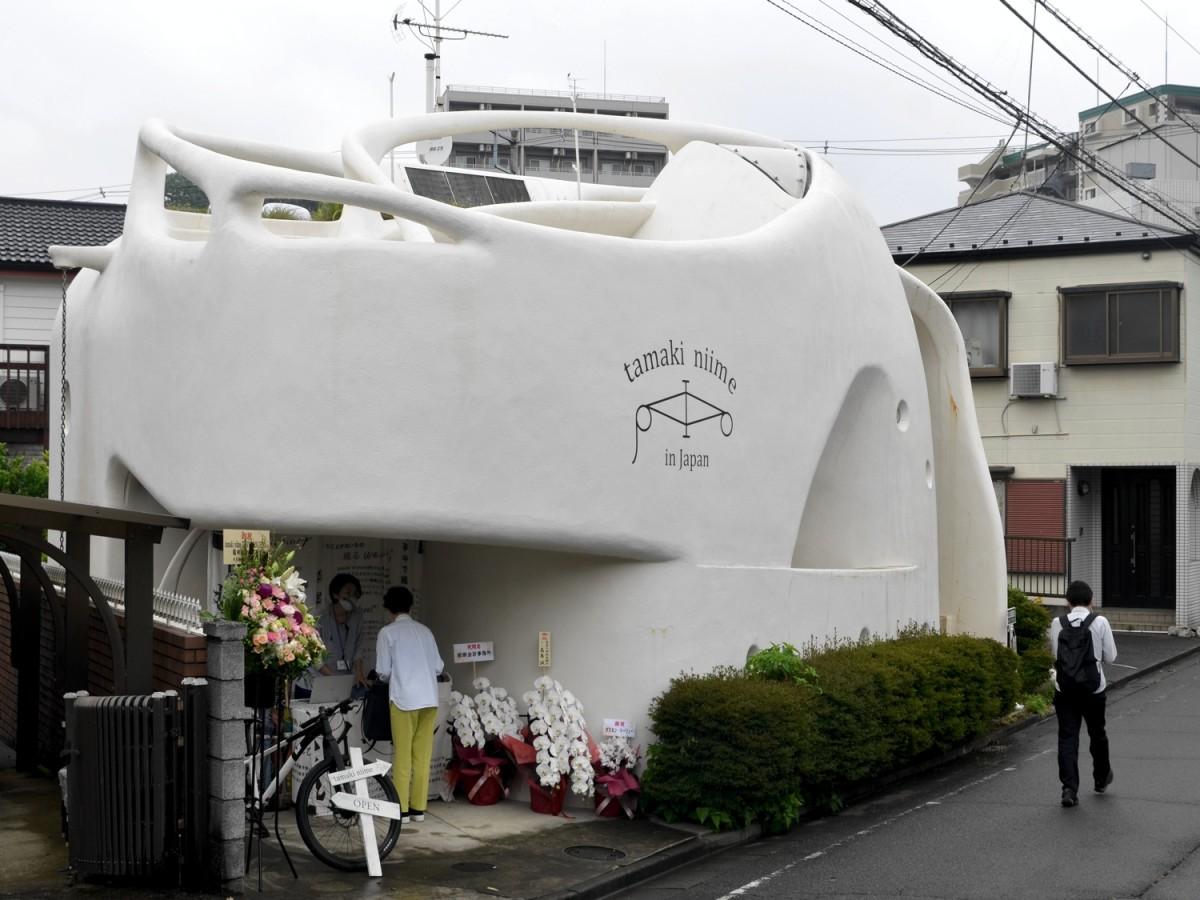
(590, 851)
(473, 867)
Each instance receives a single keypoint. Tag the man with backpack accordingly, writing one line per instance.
(1081, 642)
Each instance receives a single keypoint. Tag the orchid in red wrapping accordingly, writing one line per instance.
(477, 725)
(617, 788)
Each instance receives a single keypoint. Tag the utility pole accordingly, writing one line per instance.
(431, 34)
(575, 109)
(392, 115)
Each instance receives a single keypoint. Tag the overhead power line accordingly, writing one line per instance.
(1170, 27)
(1018, 112)
(1129, 112)
(824, 30)
(1117, 64)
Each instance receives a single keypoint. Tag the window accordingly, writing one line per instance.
(1120, 323)
(1089, 194)
(982, 318)
(1089, 128)
(1152, 110)
(1130, 116)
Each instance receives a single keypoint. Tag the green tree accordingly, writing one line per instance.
(23, 475)
(182, 194)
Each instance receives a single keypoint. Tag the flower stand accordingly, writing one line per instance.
(616, 793)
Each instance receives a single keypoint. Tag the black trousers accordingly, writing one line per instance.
(1072, 711)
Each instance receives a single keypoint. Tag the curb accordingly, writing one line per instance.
(710, 843)
(688, 850)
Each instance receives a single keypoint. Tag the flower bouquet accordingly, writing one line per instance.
(562, 751)
(617, 787)
(265, 591)
(478, 724)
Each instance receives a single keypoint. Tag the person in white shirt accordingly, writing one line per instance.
(1080, 696)
(407, 658)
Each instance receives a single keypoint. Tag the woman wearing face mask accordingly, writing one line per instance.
(341, 629)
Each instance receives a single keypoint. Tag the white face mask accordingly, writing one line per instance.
(346, 605)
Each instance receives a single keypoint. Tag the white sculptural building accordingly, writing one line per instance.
(664, 424)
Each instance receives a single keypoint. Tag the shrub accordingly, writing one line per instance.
(781, 662)
(886, 704)
(1033, 620)
(734, 749)
(728, 751)
(26, 476)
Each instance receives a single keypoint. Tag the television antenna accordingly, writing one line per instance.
(426, 25)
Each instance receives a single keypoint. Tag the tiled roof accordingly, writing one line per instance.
(1020, 222)
(29, 227)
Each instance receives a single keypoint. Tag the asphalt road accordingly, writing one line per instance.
(991, 826)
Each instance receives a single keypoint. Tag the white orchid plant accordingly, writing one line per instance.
(617, 753)
(560, 737)
(490, 714)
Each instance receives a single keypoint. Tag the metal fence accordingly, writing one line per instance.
(176, 610)
(1039, 566)
(24, 383)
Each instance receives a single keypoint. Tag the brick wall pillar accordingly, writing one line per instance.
(227, 714)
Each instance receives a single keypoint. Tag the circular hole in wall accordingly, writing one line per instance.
(902, 416)
(66, 402)
(929, 474)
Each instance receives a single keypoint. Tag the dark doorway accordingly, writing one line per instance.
(1138, 513)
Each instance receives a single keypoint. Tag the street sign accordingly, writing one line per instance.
(379, 767)
(479, 651)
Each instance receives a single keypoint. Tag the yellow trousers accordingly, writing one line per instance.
(412, 750)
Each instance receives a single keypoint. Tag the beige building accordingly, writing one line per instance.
(1152, 138)
(1086, 376)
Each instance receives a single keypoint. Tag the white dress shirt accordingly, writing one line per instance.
(1103, 644)
(407, 658)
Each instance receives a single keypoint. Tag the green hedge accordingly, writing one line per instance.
(729, 750)
(752, 750)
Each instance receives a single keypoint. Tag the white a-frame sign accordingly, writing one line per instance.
(366, 806)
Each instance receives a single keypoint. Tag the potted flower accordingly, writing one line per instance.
(265, 591)
(477, 725)
(562, 749)
(617, 787)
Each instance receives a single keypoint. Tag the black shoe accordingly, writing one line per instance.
(1069, 797)
(1102, 786)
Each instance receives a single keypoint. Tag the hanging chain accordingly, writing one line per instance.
(62, 411)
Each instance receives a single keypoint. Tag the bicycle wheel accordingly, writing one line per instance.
(334, 835)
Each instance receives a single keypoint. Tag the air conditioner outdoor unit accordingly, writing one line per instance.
(1038, 379)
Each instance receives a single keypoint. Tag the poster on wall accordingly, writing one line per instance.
(377, 563)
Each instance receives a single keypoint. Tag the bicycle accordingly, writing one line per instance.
(332, 834)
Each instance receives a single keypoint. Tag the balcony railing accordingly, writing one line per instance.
(1039, 566)
(24, 389)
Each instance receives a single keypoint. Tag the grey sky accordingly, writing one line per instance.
(77, 78)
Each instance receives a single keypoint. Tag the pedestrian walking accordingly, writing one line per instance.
(407, 658)
(1081, 642)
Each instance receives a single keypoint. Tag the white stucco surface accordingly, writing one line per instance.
(705, 422)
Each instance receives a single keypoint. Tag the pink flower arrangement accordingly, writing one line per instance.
(267, 593)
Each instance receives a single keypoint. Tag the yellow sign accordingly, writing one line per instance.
(543, 649)
(234, 539)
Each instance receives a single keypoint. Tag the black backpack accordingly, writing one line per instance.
(1076, 665)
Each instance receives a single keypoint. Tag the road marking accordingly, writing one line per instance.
(771, 876)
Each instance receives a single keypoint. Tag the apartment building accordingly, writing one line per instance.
(550, 152)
